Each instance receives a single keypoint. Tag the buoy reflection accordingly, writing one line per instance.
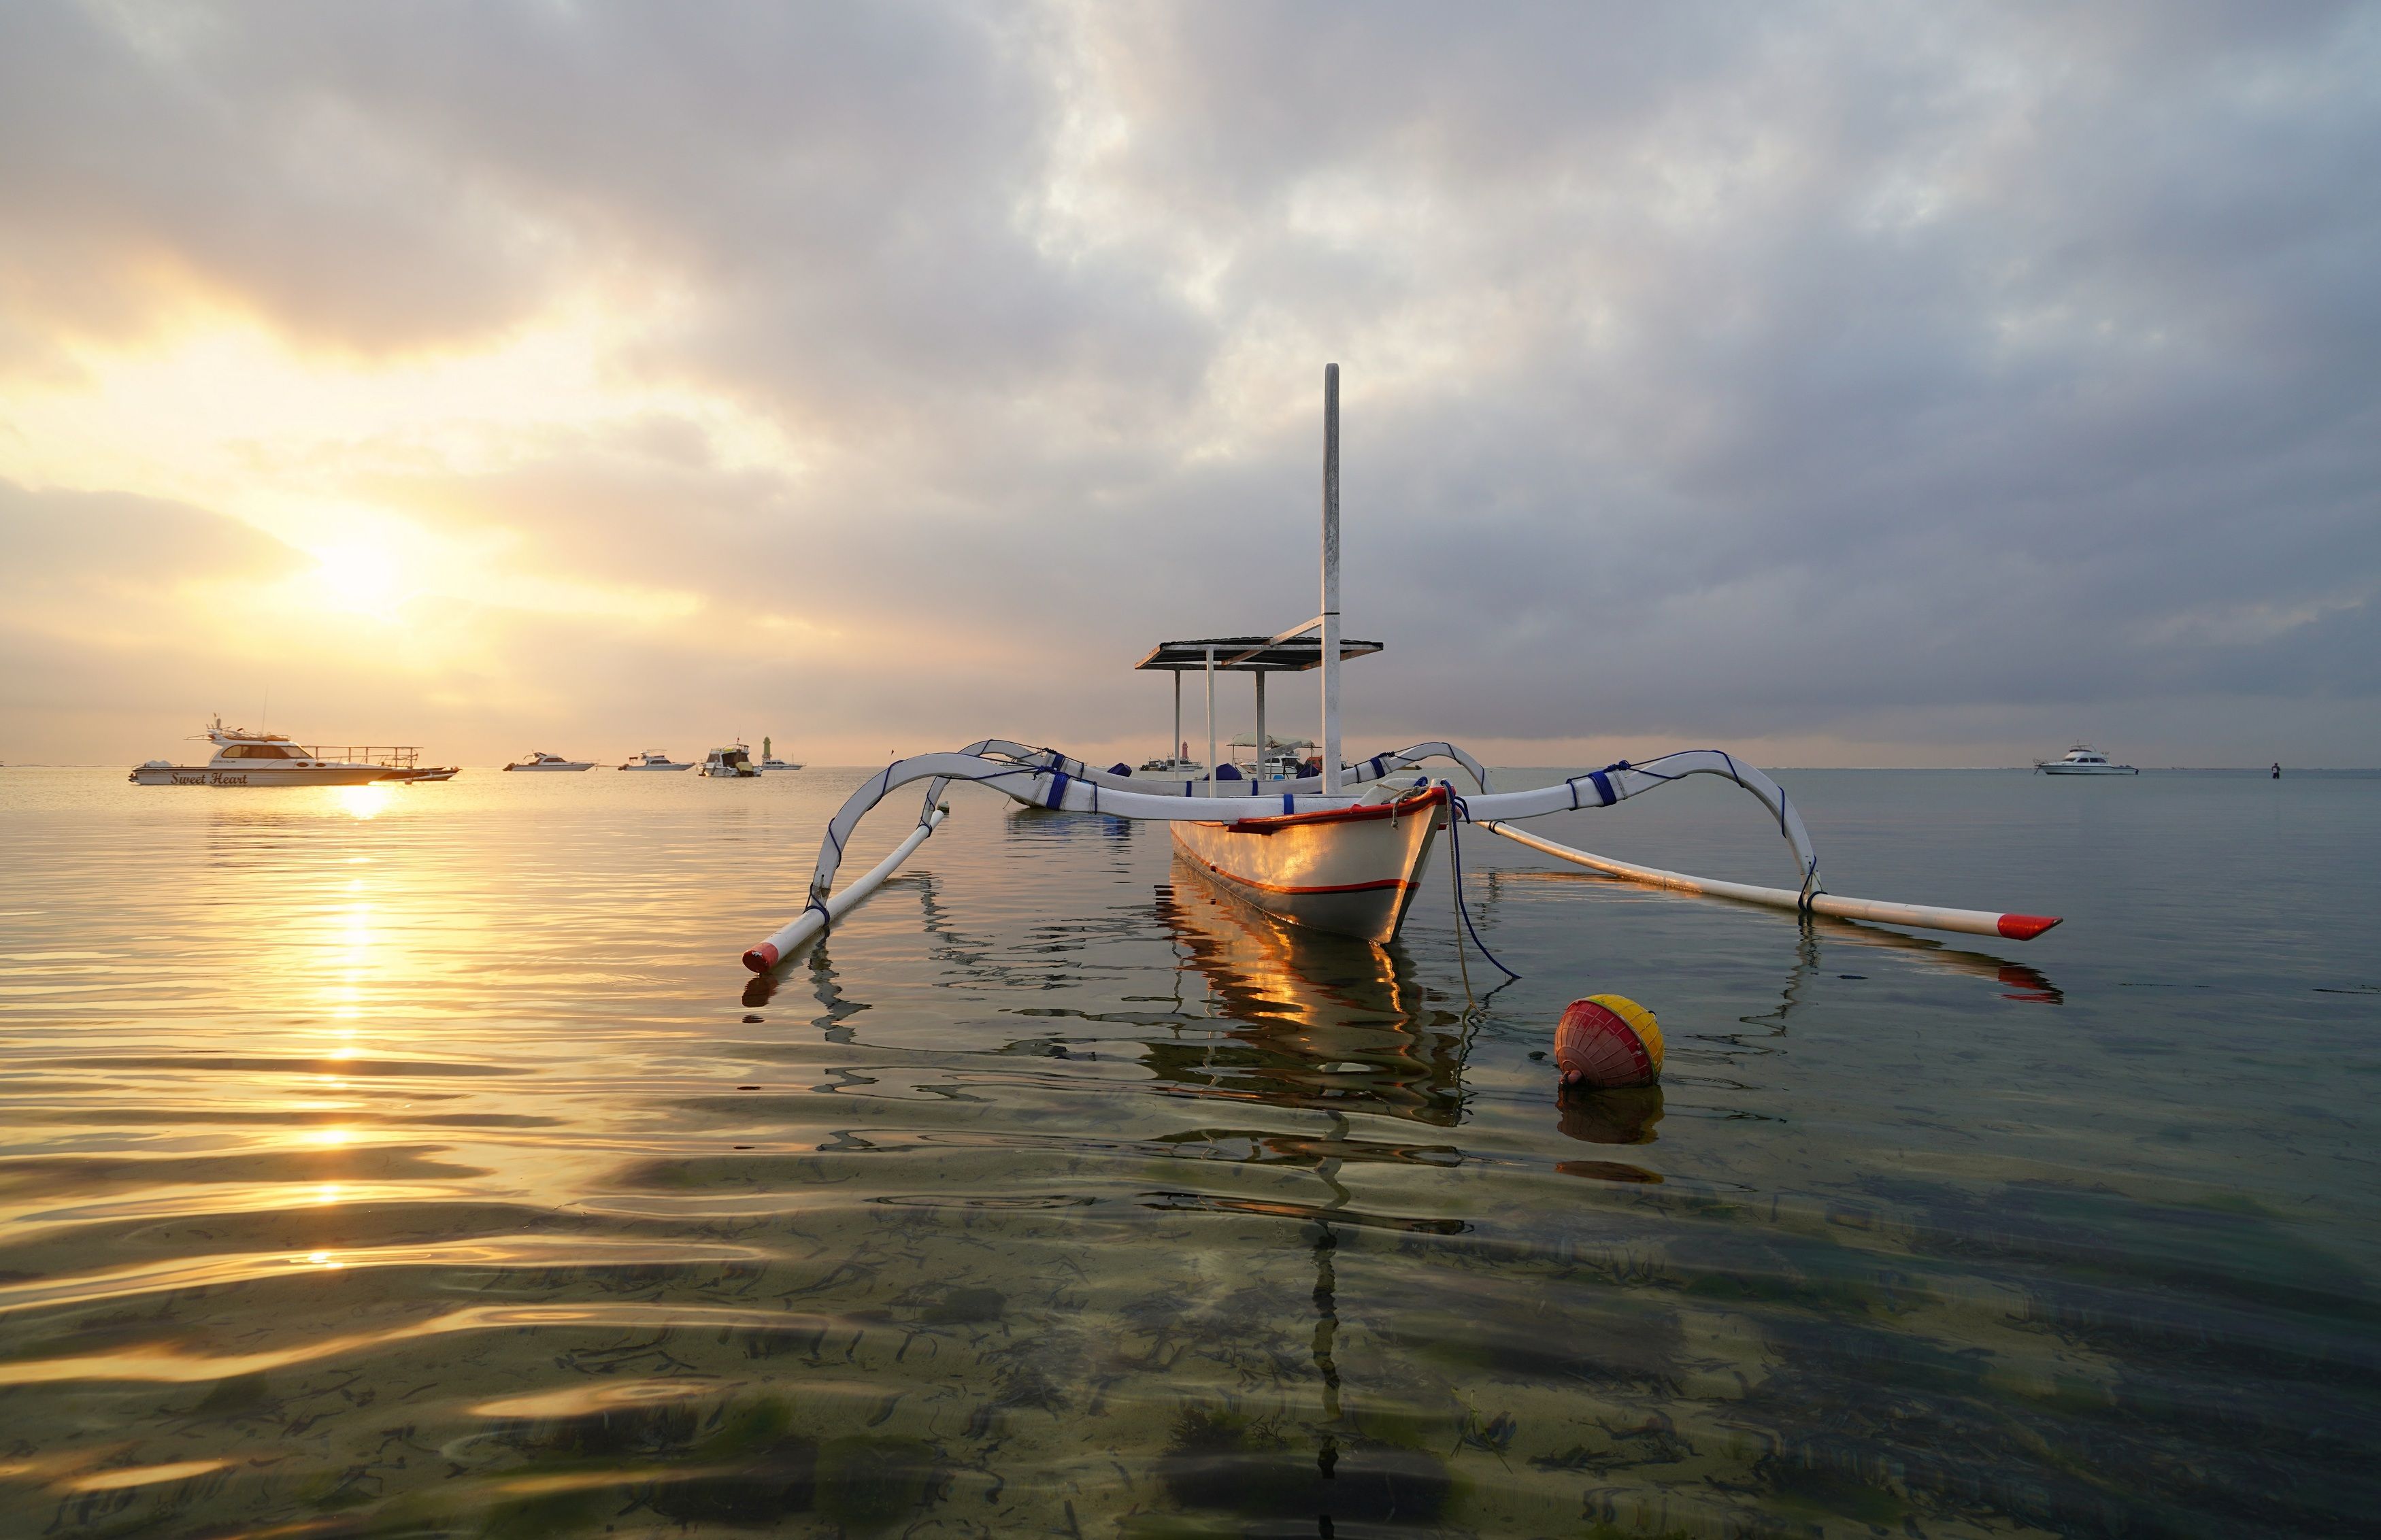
(1621, 1117)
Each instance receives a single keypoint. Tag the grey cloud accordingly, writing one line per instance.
(1728, 369)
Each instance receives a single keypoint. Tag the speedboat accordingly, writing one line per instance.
(655, 761)
(734, 763)
(2083, 760)
(245, 758)
(538, 759)
(779, 765)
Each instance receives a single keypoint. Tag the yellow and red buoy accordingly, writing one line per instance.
(1608, 1041)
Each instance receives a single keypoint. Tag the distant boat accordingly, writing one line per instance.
(1285, 759)
(656, 761)
(537, 759)
(770, 762)
(1181, 764)
(245, 758)
(2083, 760)
(733, 763)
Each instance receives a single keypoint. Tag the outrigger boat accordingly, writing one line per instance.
(1339, 851)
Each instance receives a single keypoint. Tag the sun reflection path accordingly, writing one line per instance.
(366, 802)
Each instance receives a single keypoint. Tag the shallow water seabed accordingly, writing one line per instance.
(419, 1161)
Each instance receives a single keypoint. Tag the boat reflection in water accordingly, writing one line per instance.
(1319, 1021)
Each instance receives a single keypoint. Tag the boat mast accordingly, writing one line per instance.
(1330, 579)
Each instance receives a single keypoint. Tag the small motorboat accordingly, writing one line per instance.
(656, 761)
(770, 762)
(2083, 760)
(245, 758)
(538, 759)
(732, 762)
(1284, 760)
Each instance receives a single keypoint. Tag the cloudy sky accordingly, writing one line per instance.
(1923, 385)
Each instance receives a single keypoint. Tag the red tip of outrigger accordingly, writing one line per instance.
(2025, 927)
(764, 956)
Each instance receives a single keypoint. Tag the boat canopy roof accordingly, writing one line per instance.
(1250, 654)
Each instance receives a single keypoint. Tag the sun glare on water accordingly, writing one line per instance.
(362, 802)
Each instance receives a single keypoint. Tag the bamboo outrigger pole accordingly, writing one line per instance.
(1970, 921)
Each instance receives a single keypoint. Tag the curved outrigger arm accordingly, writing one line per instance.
(1620, 780)
(1034, 784)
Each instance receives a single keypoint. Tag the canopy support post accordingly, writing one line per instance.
(1261, 732)
(1174, 744)
(1210, 721)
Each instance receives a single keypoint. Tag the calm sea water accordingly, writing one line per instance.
(420, 1161)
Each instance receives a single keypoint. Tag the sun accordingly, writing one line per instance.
(361, 579)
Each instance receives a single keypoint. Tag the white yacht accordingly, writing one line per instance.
(245, 758)
(656, 761)
(538, 759)
(2083, 760)
(735, 762)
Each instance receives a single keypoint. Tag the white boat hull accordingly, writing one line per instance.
(559, 768)
(2057, 769)
(264, 775)
(1352, 872)
(658, 769)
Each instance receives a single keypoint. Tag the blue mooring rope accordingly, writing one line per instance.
(1458, 814)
